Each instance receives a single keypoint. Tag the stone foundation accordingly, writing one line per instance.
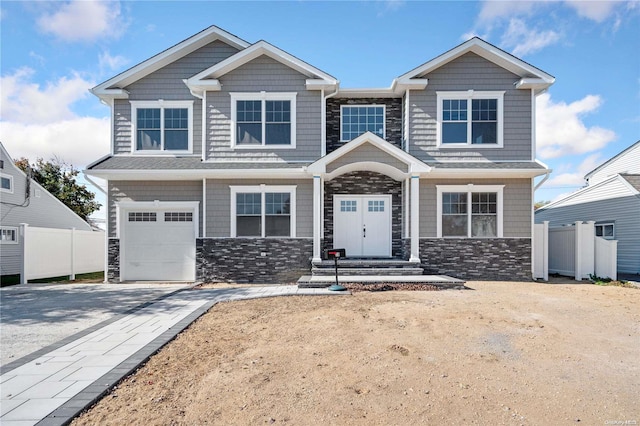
(504, 259)
(113, 273)
(240, 259)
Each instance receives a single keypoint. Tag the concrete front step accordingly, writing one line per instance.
(366, 271)
(320, 281)
(366, 263)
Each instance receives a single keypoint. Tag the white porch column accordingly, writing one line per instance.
(415, 219)
(317, 216)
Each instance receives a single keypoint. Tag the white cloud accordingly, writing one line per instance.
(78, 141)
(83, 20)
(111, 63)
(560, 130)
(494, 10)
(25, 101)
(570, 176)
(597, 11)
(37, 122)
(523, 40)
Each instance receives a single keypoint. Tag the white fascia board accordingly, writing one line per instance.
(401, 85)
(254, 51)
(141, 175)
(485, 50)
(108, 94)
(537, 84)
(319, 84)
(168, 56)
(485, 173)
(367, 93)
(415, 165)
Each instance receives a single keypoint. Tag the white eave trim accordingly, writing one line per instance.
(485, 50)
(190, 174)
(533, 83)
(168, 56)
(254, 51)
(483, 173)
(319, 84)
(108, 94)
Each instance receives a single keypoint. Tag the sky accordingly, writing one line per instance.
(53, 52)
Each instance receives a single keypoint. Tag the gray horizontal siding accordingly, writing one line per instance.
(366, 152)
(151, 191)
(624, 212)
(517, 205)
(167, 84)
(219, 210)
(471, 72)
(264, 74)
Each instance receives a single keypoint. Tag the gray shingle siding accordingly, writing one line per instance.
(623, 211)
(471, 72)
(167, 84)
(264, 74)
(517, 205)
(219, 199)
(151, 191)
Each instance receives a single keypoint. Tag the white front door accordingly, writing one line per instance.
(362, 225)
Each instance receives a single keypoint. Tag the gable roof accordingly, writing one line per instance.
(613, 159)
(413, 164)
(616, 186)
(531, 77)
(208, 79)
(113, 88)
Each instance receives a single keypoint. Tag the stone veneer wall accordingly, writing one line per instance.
(240, 259)
(507, 259)
(368, 183)
(393, 119)
(113, 273)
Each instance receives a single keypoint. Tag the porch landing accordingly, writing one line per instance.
(319, 281)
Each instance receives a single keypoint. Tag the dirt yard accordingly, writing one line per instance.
(502, 353)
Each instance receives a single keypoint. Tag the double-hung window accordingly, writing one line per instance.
(358, 119)
(472, 211)
(263, 211)
(162, 126)
(470, 118)
(6, 183)
(263, 120)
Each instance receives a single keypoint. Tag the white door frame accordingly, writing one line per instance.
(336, 211)
(123, 207)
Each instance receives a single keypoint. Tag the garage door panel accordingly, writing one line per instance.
(159, 250)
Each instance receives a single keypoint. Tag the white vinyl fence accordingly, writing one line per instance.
(573, 250)
(49, 252)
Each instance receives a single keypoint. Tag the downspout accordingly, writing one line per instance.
(544, 179)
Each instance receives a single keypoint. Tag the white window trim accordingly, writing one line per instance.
(162, 104)
(263, 96)
(470, 189)
(384, 117)
(263, 189)
(469, 95)
(15, 232)
(613, 237)
(6, 176)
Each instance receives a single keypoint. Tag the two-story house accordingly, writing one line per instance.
(239, 161)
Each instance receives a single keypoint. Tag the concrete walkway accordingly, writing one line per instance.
(59, 384)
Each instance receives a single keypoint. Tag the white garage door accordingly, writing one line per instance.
(158, 245)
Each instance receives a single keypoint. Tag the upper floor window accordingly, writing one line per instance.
(263, 120)
(6, 183)
(162, 126)
(263, 211)
(470, 118)
(473, 211)
(356, 120)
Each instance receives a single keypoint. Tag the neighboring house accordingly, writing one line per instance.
(22, 200)
(239, 161)
(611, 199)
